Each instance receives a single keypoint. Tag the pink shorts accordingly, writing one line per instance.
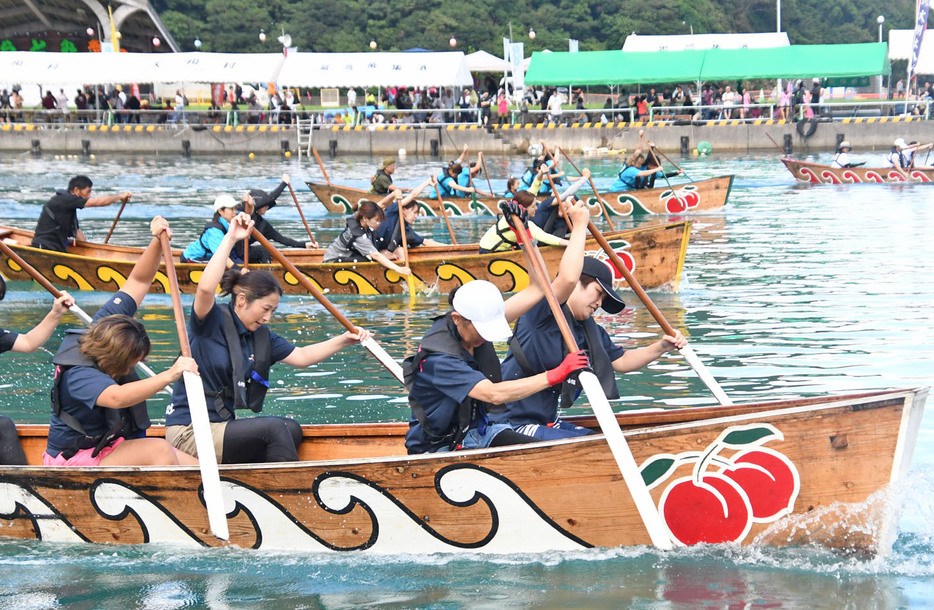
(83, 457)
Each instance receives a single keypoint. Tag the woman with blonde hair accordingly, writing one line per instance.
(99, 412)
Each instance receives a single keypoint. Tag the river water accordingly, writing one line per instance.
(788, 291)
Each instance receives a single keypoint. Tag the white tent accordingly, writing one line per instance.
(900, 48)
(481, 61)
(684, 42)
(297, 70)
(445, 69)
(100, 68)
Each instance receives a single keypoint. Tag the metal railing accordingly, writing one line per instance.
(318, 119)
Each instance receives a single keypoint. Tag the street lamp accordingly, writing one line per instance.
(690, 24)
(197, 44)
(880, 20)
(156, 42)
(373, 44)
(531, 34)
(452, 42)
(262, 35)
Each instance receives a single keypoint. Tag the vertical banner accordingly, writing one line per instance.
(921, 23)
(506, 49)
(573, 45)
(516, 55)
(217, 93)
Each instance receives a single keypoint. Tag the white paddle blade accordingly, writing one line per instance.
(705, 375)
(204, 441)
(80, 313)
(624, 460)
(385, 359)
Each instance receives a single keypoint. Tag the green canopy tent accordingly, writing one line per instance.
(620, 68)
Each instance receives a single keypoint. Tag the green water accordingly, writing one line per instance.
(788, 291)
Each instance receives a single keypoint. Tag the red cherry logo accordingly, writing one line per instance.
(768, 480)
(691, 198)
(675, 205)
(713, 510)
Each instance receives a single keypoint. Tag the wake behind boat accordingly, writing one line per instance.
(654, 253)
(698, 196)
(789, 473)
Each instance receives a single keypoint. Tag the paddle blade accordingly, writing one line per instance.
(204, 441)
(705, 375)
(623, 456)
(385, 359)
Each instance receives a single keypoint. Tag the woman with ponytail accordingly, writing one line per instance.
(234, 349)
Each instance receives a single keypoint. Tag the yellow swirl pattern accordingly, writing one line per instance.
(363, 285)
(448, 271)
(64, 272)
(520, 277)
(109, 274)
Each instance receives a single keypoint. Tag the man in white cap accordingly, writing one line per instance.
(538, 344)
(201, 250)
(454, 380)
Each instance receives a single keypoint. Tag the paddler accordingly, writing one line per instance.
(454, 379)
(234, 349)
(58, 222)
(381, 182)
(262, 203)
(538, 346)
(11, 451)
(99, 415)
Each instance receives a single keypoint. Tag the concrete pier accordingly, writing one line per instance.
(866, 135)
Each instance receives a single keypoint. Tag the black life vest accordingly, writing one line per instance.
(443, 338)
(600, 361)
(506, 236)
(351, 234)
(379, 173)
(121, 422)
(247, 393)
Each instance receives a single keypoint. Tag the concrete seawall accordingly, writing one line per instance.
(866, 134)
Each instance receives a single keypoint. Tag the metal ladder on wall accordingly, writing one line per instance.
(304, 130)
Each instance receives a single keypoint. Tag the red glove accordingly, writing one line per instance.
(571, 363)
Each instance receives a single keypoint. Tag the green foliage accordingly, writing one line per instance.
(395, 25)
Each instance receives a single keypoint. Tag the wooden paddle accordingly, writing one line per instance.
(658, 164)
(598, 401)
(634, 285)
(777, 145)
(321, 165)
(114, 225)
(370, 344)
(673, 163)
(409, 279)
(606, 215)
(75, 309)
(197, 406)
(487, 175)
(300, 213)
(248, 207)
(443, 213)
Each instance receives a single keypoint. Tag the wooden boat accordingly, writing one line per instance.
(795, 472)
(655, 254)
(699, 196)
(817, 173)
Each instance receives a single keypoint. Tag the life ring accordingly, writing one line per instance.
(807, 127)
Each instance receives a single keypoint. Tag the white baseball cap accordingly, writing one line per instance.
(900, 143)
(481, 302)
(224, 201)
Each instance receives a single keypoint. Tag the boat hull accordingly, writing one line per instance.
(655, 255)
(699, 196)
(797, 472)
(815, 173)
